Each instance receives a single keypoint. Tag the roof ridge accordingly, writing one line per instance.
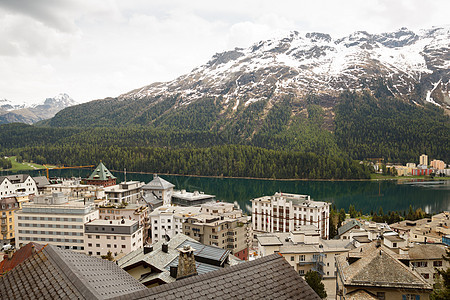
(209, 275)
(66, 271)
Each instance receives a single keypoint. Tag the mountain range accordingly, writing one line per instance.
(29, 114)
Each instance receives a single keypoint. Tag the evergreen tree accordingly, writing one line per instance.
(315, 282)
(441, 289)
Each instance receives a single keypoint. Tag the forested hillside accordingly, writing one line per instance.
(296, 139)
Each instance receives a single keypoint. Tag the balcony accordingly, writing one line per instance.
(318, 270)
(304, 262)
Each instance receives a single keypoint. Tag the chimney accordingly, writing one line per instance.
(10, 254)
(186, 263)
(165, 247)
(173, 271)
(148, 249)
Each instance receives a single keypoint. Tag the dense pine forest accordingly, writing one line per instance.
(298, 138)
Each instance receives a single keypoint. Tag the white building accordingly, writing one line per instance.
(184, 198)
(54, 220)
(160, 189)
(117, 236)
(284, 212)
(125, 192)
(73, 188)
(304, 250)
(168, 220)
(20, 183)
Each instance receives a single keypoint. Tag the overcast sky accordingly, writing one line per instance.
(93, 49)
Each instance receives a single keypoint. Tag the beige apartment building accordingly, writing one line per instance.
(438, 164)
(423, 160)
(8, 207)
(221, 225)
(135, 212)
(119, 237)
(54, 220)
(125, 192)
(304, 250)
(283, 212)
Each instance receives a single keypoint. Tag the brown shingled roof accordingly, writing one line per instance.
(270, 277)
(19, 256)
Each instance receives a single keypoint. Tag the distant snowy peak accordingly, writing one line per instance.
(299, 64)
(31, 113)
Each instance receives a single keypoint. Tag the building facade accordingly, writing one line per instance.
(168, 220)
(284, 212)
(423, 160)
(438, 164)
(20, 183)
(8, 208)
(118, 237)
(125, 192)
(221, 225)
(54, 220)
(160, 189)
(304, 250)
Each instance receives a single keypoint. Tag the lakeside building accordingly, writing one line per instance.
(118, 237)
(135, 212)
(373, 271)
(221, 225)
(20, 183)
(195, 198)
(54, 220)
(8, 208)
(304, 250)
(168, 220)
(101, 176)
(438, 164)
(424, 230)
(125, 192)
(284, 212)
(423, 160)
(158, 189)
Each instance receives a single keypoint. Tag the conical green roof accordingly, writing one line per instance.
(101, 173)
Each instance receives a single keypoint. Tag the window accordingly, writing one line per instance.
(410, 297)
(437, 263)
(381, 295)
(301, 272)
(123, 246)
(89, 244)
(292, 258)
(97, 236)
(425, 275)
(108, 245)
(108, 237)
(122, 238)
(302, 258)
(394, 245)
(97, 245)
(98, 253)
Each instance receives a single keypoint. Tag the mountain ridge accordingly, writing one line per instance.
(32, 113)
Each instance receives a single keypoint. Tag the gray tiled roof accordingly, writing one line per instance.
(158, 183)
(347, 226)
(426, 251)
(54, 273)
(377, 266)
(270, 277)
(41, 181)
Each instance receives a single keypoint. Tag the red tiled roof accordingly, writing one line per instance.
(19, 256)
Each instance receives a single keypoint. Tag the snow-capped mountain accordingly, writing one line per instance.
(31, 113)
(413, 66)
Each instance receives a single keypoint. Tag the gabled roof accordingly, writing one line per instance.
(101, 173)
(347, 226)
(426, 251)
(377, 267)
(54, 273)
(20, 177)
(41, 181)
(158, 184)
(270, 277)
(19, 256)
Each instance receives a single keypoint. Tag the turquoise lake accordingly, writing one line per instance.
(431, 196)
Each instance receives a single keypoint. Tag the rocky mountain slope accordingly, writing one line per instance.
(280, 81)
(29, 114)
(413, 66)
